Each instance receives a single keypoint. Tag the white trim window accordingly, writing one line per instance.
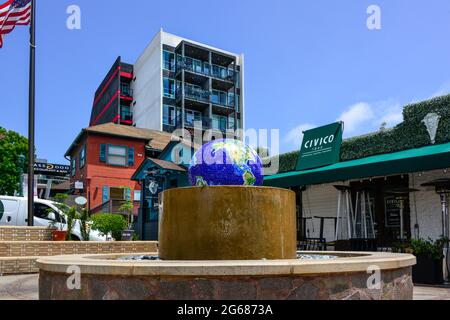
(117, 155)
(169, 88)
(169, 115)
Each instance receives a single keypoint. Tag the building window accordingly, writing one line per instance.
(125, 113)
(192, 116)
(117, 156)
(231, 122)
(219, 97)
(74, 166)
(168, 60)
(83, 157)
(219, 122)
(169, 116)
(169, 88)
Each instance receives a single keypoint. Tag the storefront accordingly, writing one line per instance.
(378, 189)
(155, 176)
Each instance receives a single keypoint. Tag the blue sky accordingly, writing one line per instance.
(308, 63)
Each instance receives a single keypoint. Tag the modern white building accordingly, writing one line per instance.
(179, 83)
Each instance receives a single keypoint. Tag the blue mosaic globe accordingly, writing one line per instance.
(226, 163)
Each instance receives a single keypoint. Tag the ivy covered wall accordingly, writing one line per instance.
(411, 133)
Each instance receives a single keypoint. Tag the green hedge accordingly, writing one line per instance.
(409, 134)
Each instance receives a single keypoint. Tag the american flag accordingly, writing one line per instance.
(12, 14)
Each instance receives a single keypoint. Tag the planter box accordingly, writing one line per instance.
(428, 271)
(59, 235)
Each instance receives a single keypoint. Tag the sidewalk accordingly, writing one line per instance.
(26, 288)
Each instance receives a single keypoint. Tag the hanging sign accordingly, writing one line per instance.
(153, 187)
(321, 147)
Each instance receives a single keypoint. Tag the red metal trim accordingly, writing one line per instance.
(106, 107)
(126, 75)
(126, 98)
(116, 118)
(126, 122)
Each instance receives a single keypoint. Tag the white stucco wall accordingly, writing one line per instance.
(427, 204)
(147, 111)
(322, 201)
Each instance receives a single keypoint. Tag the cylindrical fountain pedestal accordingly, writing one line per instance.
(227, 223)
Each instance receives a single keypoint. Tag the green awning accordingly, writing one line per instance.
(403, 162)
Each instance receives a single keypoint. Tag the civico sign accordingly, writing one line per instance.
(321, 147)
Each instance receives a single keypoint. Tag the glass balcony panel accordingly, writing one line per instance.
(126, 90)
(207, 69)
(125, 113)
(215, 97)
(223, 98)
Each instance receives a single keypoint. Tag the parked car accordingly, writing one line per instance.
(14, 212)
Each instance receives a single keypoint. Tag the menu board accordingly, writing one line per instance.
(392, 212)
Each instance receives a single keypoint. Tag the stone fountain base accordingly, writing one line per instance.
(106, 278)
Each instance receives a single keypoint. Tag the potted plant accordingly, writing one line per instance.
(57, 234)
(430, 255)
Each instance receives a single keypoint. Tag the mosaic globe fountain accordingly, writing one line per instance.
(227, 214)
(228, 238)
(226, 163)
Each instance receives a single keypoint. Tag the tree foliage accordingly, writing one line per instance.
(113, 224)
(12, 145)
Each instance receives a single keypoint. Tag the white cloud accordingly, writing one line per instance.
(295, 136)
(443, 90)
(356, 116)
(364, 117)
(389, 112)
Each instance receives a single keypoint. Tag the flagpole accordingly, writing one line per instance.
(31, 115)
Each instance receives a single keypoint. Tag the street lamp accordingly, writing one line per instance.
(20, 164)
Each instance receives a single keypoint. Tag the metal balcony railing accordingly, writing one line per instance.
(125, 90)
(126, 114)
(200, 95)
(206, 69)
(191, 123)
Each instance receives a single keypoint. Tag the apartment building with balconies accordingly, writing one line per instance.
(182, 84)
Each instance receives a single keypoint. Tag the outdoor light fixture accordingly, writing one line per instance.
(442, 187)
(344, 212)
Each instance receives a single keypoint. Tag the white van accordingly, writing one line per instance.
(14, 212)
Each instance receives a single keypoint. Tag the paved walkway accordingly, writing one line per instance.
(431, 293)
(19, 287)
(26, 288)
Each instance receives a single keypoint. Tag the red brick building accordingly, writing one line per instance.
(103, 158)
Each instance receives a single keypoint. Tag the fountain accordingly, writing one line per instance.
(228, 238)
